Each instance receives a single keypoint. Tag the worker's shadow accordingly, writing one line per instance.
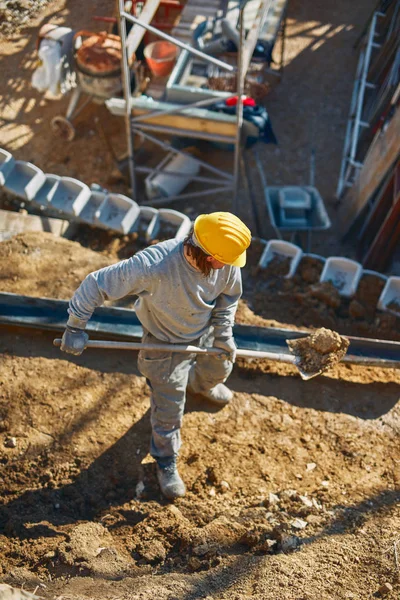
(113, 478)
(369, 400)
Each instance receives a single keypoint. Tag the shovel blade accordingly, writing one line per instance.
(306, 375)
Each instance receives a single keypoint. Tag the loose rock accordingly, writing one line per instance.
(273, 498)
(385, 588)
(306, 501)
(289, 543)
(11, 442)
(299, 524)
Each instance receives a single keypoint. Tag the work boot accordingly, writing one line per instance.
(219, 394)
(170, 481)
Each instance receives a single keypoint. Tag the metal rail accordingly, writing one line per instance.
(123, 324)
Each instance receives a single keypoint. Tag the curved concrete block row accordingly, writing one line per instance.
(75, 201)
(344, 274)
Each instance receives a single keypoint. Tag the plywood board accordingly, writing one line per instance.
(381, 156)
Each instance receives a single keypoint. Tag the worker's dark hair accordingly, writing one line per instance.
(197, 254)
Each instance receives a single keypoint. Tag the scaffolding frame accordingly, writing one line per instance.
(139, 125)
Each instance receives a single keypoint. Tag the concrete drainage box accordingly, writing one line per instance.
(176, 222)
(87, 214)
(343, 273)
(7, 163)
(281, 250)
(165, 183)
(117, 212)
(70, 196)
(44, 195)
(24, 180)
(389, 299)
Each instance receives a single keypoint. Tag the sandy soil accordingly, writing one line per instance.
(293, 489)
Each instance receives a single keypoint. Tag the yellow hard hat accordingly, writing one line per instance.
(223, 236)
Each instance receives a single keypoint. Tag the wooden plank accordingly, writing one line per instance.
(190, 123)
(373, 221)
(193, 119)
(388, 236)
(381, 156)
(137, 33)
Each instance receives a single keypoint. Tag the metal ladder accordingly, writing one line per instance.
(350, 166)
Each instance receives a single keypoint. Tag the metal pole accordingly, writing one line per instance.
(177, 109)
(173, 40)
(170, 148)
(126, 81)
(239, 112)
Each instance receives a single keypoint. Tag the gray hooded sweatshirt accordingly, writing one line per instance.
(176, 303)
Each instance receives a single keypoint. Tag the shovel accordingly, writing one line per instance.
(306, 373)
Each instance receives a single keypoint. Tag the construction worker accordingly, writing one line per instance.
(188, 292)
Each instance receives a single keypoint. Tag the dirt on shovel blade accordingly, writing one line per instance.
(319, 351)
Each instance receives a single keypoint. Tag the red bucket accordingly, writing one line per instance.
(161, 56)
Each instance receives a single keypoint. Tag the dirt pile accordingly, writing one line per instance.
(40, 264)
(319, 351)
(15, 14)
(303, 301)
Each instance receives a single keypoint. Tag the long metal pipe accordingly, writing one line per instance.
(126, 81)
(111, 345)
(177, 109)
(169, 38)
(239, 112)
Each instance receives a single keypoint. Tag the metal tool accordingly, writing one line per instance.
(240, 353)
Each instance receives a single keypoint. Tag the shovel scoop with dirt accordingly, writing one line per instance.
(318, 352)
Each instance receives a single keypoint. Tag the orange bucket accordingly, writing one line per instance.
(161, 56)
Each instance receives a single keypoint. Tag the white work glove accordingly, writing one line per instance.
(224, 340)
(74, 339)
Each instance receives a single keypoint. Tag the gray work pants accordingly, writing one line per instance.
(167, 375)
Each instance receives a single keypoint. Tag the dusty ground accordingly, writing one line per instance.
(293, 489)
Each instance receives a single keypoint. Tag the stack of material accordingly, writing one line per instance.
(370, 175)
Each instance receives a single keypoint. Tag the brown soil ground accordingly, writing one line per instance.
(293, 488)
